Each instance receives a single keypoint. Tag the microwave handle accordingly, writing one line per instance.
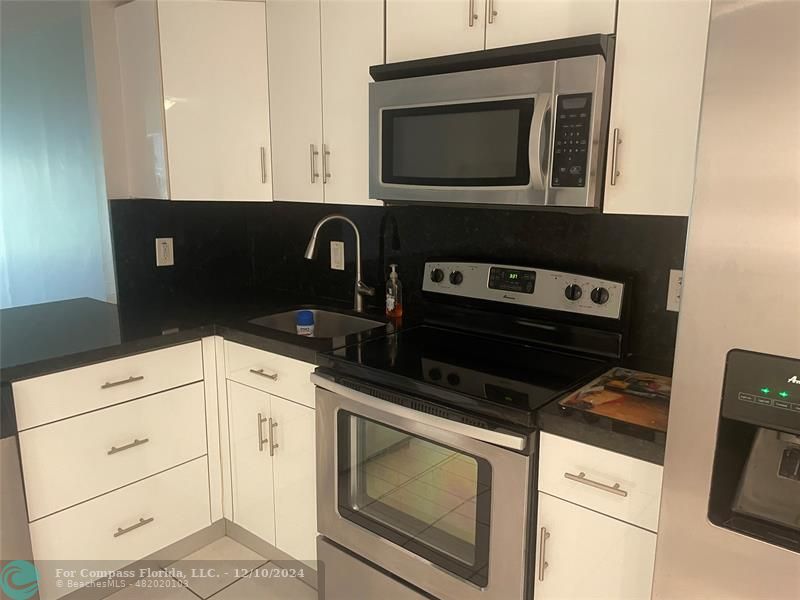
(539, 153)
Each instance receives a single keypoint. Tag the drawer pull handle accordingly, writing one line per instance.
(543, 564)
(263, 373)
(133, 444)
(142, 522)
(272, 444)
(581, 478)
(111, 384)
(261, 440)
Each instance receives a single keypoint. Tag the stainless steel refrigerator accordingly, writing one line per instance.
(730, 514)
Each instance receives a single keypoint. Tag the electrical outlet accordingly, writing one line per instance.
(674, 290)
(337, 256)
(164, 253)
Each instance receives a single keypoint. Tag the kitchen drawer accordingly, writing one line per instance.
(70, 461)
(52, 397)
(169, 506)
(635, 500)
(273, 373)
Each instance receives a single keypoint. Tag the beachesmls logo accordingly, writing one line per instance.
(19, 580)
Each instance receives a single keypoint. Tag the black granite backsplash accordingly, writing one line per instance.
(241, 250)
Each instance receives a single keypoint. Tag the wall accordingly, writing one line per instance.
(54, 232)
(227, 251)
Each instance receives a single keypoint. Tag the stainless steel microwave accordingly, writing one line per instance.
(530, 134)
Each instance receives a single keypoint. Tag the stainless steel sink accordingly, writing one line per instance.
(327, 324)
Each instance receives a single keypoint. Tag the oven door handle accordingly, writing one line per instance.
(539, 143)
(510, 440)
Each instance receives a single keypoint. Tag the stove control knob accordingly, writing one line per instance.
(599, 295)
(437, 275)
(573, 292)
(456, 277)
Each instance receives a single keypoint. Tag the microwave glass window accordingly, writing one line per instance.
(471, 144)
(430, 499)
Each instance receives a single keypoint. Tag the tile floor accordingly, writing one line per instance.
(192, 578)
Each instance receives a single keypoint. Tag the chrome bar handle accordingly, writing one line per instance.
(314, 153)
(543, 564)
(261, 440)
(492, 12)
(272, 444)
(142, 522)
(473, 16)
(581, 478)
(263, 164)
(133, 444)
(326, 172)
(111, 384)
(263, 373)
(616, 141)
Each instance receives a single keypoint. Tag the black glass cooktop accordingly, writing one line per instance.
(498, 378)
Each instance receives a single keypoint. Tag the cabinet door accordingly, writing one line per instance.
(584, 554)
(511, 22)
(352, 41)
(655, 106)
(422, 28)
(293, 430)
(251, 464)
(214, 63)
(143, 109)
(293, 38)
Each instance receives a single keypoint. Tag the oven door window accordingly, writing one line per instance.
(430, 499)
(475, 144)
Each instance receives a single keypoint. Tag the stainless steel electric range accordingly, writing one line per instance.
(427, 441)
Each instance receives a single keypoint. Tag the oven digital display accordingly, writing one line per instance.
(512, 280)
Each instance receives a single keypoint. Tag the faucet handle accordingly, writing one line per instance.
(364, 290)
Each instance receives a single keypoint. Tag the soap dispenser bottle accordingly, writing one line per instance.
(394, 295)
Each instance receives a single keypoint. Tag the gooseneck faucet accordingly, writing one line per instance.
(361, 289)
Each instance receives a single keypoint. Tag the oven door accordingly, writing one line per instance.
(421, 497)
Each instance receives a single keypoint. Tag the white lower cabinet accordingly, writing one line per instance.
(251, 465)
(273, 469)
(584, 554)
(294, 465)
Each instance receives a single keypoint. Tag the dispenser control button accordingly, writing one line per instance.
(796, 407)
(763, 401)
(781, 404)
(790, 464)
(747, 397)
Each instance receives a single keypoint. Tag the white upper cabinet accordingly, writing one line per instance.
(655, 106)
(194, 86)
(143, 109)
(214, 69)
(422, 28)
(352, 41)
(319, 58)
(295, 74)
(510, 22)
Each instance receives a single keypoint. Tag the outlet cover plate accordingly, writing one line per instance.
(165, 256)
(674, 290)
(337, 256)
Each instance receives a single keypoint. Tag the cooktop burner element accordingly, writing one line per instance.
(494, 360)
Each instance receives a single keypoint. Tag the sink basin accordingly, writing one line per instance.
(327, 324)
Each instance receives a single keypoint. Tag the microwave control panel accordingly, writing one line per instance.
(571, 147)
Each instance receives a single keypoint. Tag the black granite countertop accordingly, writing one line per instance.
(55, 336)
(47, 338)
(603, 432)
